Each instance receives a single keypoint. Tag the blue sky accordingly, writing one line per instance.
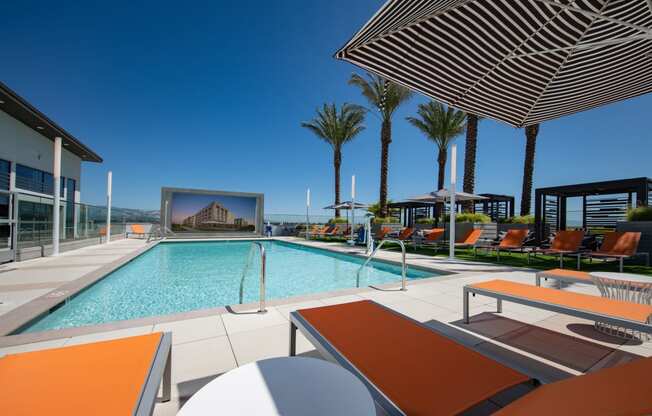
(211, 95)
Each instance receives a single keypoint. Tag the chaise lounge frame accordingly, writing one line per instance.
(579, 313)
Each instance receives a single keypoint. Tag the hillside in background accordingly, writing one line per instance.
(119, 215)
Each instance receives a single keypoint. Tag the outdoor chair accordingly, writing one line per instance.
(325, 230)
(431, 238)
(513, 240)
(406, 234)
(565, 243)
(431, 374)
(117, 377)
(564, 276)
(137, 229)
(619, 246)
(382, 233)
(622, 314)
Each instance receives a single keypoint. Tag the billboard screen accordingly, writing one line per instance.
(190, 211)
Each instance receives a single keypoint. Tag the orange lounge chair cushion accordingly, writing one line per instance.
(137, 229)
(567, 240)
(435, 234)
(422, 372)
(382, 233)
(619, 244)
(514, 238)
(622, 390)
(471, 238)
(102, 378)
(406, 233)
(596, 304)
(574, 274)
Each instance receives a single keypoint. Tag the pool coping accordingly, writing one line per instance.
(24, 314)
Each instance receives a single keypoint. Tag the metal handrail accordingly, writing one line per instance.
(403, 264)
(263, 277)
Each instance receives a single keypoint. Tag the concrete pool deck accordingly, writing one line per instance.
(211, 343)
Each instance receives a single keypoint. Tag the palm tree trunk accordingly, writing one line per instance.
(385, 140)
(441, 161)
(337, 163)
(469, 158)
(531, 133)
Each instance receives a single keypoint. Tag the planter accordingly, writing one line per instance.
(644, 227)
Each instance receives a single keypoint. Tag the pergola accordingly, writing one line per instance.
(497, 207)
(413, 210)
(603, 203)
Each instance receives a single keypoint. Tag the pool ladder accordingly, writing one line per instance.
(373, 253)
(263, 263)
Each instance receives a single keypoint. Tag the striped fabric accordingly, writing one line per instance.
(518, 61)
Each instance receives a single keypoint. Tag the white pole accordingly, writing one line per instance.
(109, 181)
(352, 207)
(57, 196)
(451, 233)
(308, 214)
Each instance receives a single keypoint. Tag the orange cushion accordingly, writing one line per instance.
(102, 378)
(596, 304)
(514, 238)
(575, 274)
(421, 371)
(567, 240)
(622, 390)
(620, 243)
(137, 229)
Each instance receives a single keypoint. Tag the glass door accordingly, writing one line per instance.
(7, 226)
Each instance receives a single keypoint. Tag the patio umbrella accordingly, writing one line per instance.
(517, 61)
(444, 195)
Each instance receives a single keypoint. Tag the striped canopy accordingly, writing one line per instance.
(518, 61)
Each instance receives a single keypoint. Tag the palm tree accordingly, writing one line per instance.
(469, 157)
(385, 96)
(337, 128)
(531, 133)
(441, 125)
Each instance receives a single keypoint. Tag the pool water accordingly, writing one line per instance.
(184, 276)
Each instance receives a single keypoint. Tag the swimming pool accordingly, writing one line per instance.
(176, 277)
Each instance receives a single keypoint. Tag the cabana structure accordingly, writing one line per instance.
(411, 211)
(497, 207)
(603, 204)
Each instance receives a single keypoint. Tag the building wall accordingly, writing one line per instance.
(21, 144)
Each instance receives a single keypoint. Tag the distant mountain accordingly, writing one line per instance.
(119, 215)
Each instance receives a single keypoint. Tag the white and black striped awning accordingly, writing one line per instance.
(518, 61)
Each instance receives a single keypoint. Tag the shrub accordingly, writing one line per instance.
(640, 214)
(337, 220)
(386, 220)
(470, 217)
(426, 221)
(520, 219)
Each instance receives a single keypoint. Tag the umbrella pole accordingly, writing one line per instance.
(451, 233)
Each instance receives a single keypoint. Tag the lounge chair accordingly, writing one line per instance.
(408, 368)
(564, 276)
(621, 390)
(470, 240)
(137, 229)
(333, 232)
(412, 370)
(565, 243)
(512, 241)
(623, 314)
(382, 233)
(117, 377)
(431, 238)
(406, 234)
(325, 230)
(619, 246)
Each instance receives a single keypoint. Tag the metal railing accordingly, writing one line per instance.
(373, 253)
(263, 277)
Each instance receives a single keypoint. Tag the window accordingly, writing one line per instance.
(70, 195)
(4, 174)
(4, 207)
(34, 180)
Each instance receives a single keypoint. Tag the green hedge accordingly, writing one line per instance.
(640, 214)
(470, 217)
(519, 219)
(386, 220)
(337, 220)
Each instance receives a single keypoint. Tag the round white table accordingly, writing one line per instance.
(283, 386)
